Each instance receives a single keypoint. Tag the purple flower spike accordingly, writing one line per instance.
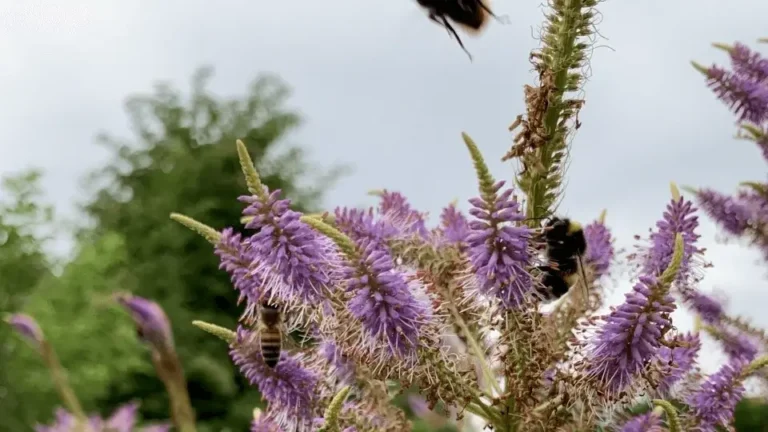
(678, 361)
(294, 259)
(630, 335)
(748, 64)
(396, 209)
(238, 258)
(499, 251)
(679, 218)
(151, 322)
(290, 389)
(382, 300)
(599, 248)
(737, 346)
(747, 97)
(27, 327)
(709, 309)
(361, 225)
(649, 422)
(454, 225)
(731, 214)
(713, 404)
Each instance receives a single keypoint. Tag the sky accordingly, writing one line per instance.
(386, 91)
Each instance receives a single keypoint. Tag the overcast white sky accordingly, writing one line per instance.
(387, 91)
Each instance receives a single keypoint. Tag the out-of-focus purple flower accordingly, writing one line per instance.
(678, 361)
(749, 64)
(421, 409)
(747, 97)
(454, 225)
(395, 208)
(151, 322)
(737, 345)
(630, 335)
(62, 422)
(648, 422)
(599, 248)
(157, 428)
(294, 259)
(123, 419)
(731, 214)
(679, 218)
(713, 404)
(290, 389)
(27, 327)
(361, 225)
(264, 424)
(238, 259)
(709, 309)
(499, 251)
(382, 300)
(342, 367)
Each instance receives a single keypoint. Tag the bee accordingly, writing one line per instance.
(270, 334)
(471, 15)
(566, 244)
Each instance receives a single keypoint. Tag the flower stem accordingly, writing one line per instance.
(61, 382)
(169, 370)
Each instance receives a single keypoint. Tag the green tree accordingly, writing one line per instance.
(185, 160)
(90, 334)
(23, 263)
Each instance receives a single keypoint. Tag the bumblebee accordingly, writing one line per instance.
(471, 15)
(270, 334)
(566, 244)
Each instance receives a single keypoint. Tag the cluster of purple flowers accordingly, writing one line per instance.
(387, 303)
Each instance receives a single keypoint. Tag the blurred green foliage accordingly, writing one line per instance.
(24, 220)
(182, 159)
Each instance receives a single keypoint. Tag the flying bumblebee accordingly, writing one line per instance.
(471, 15)
(566, 245)
(270, 334)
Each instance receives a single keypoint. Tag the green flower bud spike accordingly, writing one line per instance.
(245, 219)
(331, 416)
(690, 189)
(601, 219)
(222, 333)
(204, 230)
(673, 421)
(758, 188)
(326, 217)
(697, 324)
(702, 69)
(252, 178)
(342, 241)
(675, 191)
(756, 365)
(484, 176)
(670, 273)
(721, 46)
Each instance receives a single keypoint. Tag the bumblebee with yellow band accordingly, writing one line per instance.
(566, 244)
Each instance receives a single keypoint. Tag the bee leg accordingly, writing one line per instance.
(455, 35)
